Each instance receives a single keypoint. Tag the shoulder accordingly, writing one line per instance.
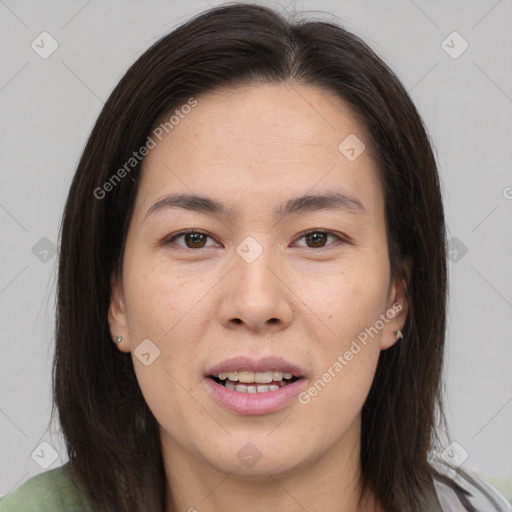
(459, 488)
(51, 491)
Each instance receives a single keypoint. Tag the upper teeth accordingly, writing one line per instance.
(260, 377)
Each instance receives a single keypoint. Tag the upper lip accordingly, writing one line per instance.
(256, 365)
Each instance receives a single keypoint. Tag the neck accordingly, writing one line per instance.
(328, 483)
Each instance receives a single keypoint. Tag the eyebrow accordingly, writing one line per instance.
(303, 204)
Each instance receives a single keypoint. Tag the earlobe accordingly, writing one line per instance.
(392, 333)
(117, 317)
(398, 307)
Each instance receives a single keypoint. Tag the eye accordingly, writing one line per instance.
(193, 239)
(318, 238)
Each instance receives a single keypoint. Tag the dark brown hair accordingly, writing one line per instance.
(111, 436)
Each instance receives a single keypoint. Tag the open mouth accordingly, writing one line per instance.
(254, 382)
(247, 387)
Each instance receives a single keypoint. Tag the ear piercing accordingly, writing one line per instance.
(399, 335)
(117, 339)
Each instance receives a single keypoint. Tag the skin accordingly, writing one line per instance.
(253, 148)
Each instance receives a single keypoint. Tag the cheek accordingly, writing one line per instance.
(170, 305)
(346, 365)
(162, 305)
(350, 302)
(160, 298)
(333, 402)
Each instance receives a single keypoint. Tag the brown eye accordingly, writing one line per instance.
(195, 240)
(191, 240)
(318, 239)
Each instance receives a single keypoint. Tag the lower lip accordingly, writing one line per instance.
(255, 403)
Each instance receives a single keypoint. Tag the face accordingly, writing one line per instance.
(259, 282)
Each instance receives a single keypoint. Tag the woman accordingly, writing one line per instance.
(252, 281)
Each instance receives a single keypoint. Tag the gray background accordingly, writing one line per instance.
(48, 107)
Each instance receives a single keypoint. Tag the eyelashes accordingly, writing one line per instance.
(192, 234)
(324, 235)
(198, 239)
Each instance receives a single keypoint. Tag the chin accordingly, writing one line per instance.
(260, 459)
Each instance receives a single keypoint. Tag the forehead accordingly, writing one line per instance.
(276, 118)
(259, 141)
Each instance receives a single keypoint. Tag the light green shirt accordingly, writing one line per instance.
(51, 491)
(54, 491)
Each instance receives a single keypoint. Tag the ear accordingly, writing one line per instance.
(117, 319)
(397, 306)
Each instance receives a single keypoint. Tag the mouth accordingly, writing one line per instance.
(246, 381)
(245, 386)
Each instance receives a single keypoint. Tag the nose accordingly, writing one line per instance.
(255, 295)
